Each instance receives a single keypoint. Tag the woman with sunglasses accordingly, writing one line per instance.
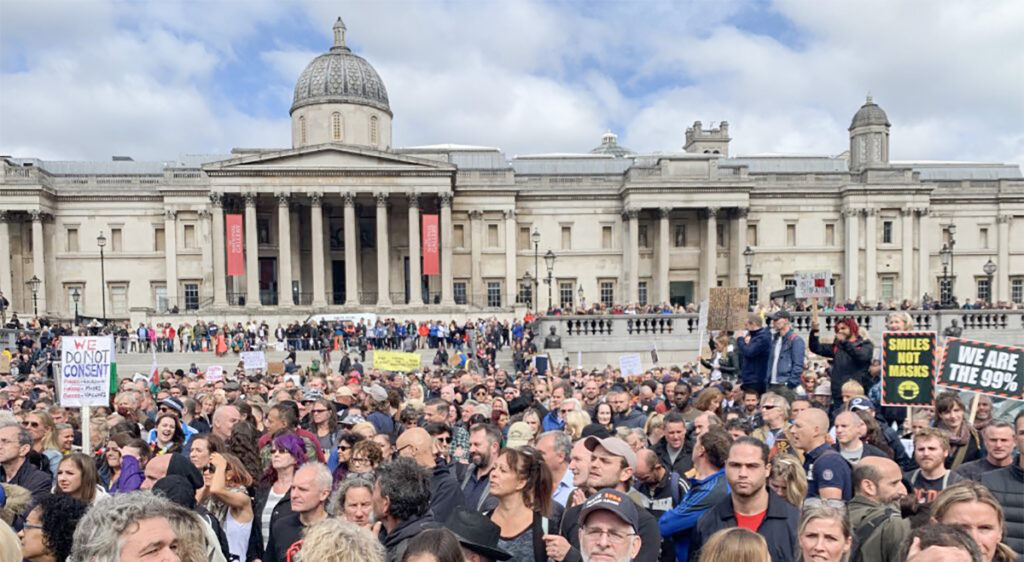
(521, 482)
(49, 529)
(346, 441)
(230, 503)
(323, 423)
(273, 497)
(44, 437)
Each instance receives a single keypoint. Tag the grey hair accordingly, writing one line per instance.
(575, 403)
(24, 437)
(336, 540)
(563, 443)
(98, 536)
(336, 505)
(322, 475)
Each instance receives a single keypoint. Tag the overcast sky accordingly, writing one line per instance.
(87, 79)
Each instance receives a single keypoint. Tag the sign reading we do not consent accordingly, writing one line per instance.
(908, 368)
(85, 370)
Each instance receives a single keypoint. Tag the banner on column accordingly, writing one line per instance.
(431, 241)
(235, 243)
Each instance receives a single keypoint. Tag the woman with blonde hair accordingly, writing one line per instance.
(824, 533)
(972, 507)
(336, 540)
(575, 421)
(735, 544)
(899, 321)
(654, 429)
(788, 479)
(44, 437)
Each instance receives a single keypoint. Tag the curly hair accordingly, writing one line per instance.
(244, 444)
(60, 514)
(98, 536)
(407, 487)
(336, 540)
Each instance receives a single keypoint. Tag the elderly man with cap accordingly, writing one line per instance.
(478, 536)
(786, 356)
(612, 465)
(609, 523)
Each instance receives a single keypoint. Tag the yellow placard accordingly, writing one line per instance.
(396, 361)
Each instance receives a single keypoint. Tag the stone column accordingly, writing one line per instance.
(38, 258)
(1002, 262)
(447, 282)
(476, 282)
(284, 251)
(171, 256)
(316, 227)
(5, 257)
(252, 253)
(907, 254)
(923, 255)
(220, 296)
(870, 257)
(738, 268)
(351, 252)
(851, 244)
(415, 276)
(663, 258)
(511, 285)
(710, 252)
(383, 249)
(632, 218)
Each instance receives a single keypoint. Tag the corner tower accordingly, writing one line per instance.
(869, 137)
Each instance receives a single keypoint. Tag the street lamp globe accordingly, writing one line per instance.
(549, 261)
(748, 257)
(75, 295)
(34, 284)
(535, 236)
(101, 240)
(944, 254)
(527, 280)
(989, 268)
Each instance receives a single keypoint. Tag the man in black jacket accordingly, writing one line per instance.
(15, 444)
(311, 487)
(672, 450)
(401, 502)
(1006, 485)
(750, 505)
(418, 445)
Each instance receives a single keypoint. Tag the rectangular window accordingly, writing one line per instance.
(607, 293)
(72, 245)
(720, 234)
(606, 237)
(566, 237)
(983, 237)
(984, 289)
(119, 299)
(526, 293)
(680, 238)
(160, 298)
(789, 282)
(754, 283)
(458, 236)
(459, 292)
(888, 287)
(641, 291)
(641, 236)
(191, 296)
(946, 289)
(565, 293)
(158, 239)
(1017, 290)
(494, 294)
(886, 232)
(189, 236)
(116, 240)
(751, 235)
(830, 235)
(791, 235)
(492, 236)
(524, 238)
(262, 230)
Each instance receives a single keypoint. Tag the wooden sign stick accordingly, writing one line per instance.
(974, 407)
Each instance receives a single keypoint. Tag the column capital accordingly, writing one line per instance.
(37, 215)
(868, 212)
(664, 212)
(217, 199)
(316, 199)
(476, 214)
(742, 212)
(205, 213)
(283, 198)
(711, 212)
(1005, 218)
(906, 211)
(250, 199)
(446, 199)
(414, 199)
(630, 214)
(850, 212)
(923, 211)
(509, 214)
(170, 214)
(381, 198)
(350, 199)
(5, 216)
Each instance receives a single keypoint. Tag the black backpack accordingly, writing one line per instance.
(864, 532)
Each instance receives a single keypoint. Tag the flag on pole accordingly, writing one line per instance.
(113, 379)
(154, 376)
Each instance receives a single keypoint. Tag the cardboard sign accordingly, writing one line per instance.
(908, 368)
(813, 284)
(214, 373)
(254, 360)
(631, 365)
(275, 368)
(85, 370)
(986, 368)
(395, 361)
(727, 309)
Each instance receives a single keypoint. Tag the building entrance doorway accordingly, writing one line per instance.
(338, 285)
(680, 292)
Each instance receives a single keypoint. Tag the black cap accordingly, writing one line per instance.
(610, 499)
(785, 314)
(477, 533)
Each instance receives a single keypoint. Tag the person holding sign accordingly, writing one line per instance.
(964, 445)
(851, 355)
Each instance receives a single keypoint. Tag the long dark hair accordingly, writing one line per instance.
(177, 440)
(528, 464)
(440, 543)
(874, 435)
(87, 468)
(243, 443)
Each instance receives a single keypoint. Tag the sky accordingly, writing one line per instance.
(88, 79)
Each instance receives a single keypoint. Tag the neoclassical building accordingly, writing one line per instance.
(333, 223)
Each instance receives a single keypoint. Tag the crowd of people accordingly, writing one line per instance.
(773, 449)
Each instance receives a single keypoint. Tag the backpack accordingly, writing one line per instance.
(865, 531)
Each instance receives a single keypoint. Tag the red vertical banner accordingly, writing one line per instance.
(235, 243)
(431, 243)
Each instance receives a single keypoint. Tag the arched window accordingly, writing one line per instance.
(336, 126)
(373, 129)
(302, 129)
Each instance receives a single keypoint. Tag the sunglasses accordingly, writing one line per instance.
(32, 424)
(444, 439)
(768, 406)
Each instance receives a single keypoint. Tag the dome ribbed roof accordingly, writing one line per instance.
(610, 145)
(869, 114)
(340, 76)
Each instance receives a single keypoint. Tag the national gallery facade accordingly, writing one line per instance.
(335, 223)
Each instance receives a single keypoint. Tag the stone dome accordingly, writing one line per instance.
(610, 145)
(869, 114)
(340, 76)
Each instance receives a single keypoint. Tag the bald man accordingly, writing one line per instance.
(828, 473)
(447, 495)
(874, 511)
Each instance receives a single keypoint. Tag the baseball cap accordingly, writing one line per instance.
(519, 435)
(312, 394)
(343, 391)
(784, 314)
(352, 419)
(376, 392)
(232, 385)
(861, 403)
(610, 499)
(615, 446)
(173, 403)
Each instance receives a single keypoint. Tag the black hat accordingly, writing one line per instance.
(781, 314)
(610, 499)
(477, 533)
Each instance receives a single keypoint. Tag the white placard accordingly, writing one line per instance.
(702, 317)
(214, 373)
(813, 284)
(85, 370)
(254, 360)
(631, 365)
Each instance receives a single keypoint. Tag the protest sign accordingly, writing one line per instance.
(275, 368)
(214, 373)
(252, 360)
(631, 365)
(813, 284)
(85, 371)
(395, 360)
(908, 368)
(986, 368)
(727, 309)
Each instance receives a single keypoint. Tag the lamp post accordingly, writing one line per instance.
(34, 285)
(951, 228)
(528, 284)
(945, 254)
(549, 261)
(101, 241)
(579, 293)
(75, 296)
(748, 259)
(990, 269)
(535, 238)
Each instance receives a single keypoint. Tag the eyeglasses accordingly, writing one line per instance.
(344, 448)
(31, 424)
(564, 412)
(443, 439)
(27, 527)
(359, 460)
(595, 534)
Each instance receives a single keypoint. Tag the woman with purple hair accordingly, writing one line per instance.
(273, 497)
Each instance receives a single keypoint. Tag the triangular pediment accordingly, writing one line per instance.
(333, 157)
